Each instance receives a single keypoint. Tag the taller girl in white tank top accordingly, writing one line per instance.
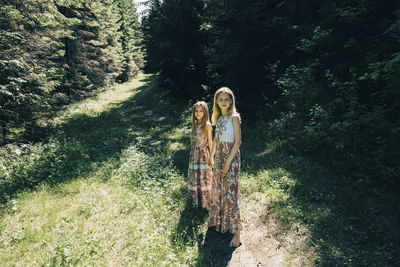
(225, 129)
(224, 209)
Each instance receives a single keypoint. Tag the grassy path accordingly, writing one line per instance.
(107, 189)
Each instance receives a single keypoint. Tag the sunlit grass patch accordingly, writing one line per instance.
(102, 102)
(275, 179)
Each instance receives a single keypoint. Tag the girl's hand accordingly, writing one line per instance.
(225, 169)
(211, 163)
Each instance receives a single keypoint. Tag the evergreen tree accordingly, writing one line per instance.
(174, 45)
(131, 40)
(51, 47)
(31, 59)
(89, 59)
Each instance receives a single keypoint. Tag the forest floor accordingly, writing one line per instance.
(113, 193)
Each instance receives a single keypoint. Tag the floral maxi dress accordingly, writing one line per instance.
(224, 210)
(199, 173)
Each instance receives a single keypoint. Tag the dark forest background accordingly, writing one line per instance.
(321, 77)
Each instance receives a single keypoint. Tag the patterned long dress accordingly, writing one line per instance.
(199, 173)
(224, 211)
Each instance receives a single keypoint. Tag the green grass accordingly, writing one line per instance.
(107, 188)
(96, 193)
(87, 222)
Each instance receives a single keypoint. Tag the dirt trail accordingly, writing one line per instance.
(264, 242)
(259, 247)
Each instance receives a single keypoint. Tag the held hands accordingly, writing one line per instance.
(225, 169)
(211, 163)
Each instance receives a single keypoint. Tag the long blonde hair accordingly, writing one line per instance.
(217, 111)
(204, 121)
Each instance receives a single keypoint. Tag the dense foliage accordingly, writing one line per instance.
(51, 50)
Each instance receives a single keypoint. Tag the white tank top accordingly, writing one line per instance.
(224, 129)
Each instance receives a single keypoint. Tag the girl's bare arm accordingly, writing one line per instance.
(238, 141)
(213, 147)
(209, 136)
(210, 145)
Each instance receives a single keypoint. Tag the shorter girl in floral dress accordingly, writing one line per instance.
(200, 163)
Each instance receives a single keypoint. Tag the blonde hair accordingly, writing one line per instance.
(204, 121)
(217, 111)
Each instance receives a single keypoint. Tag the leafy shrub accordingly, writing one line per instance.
(27, 166)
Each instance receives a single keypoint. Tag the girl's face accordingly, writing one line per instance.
(198, 112)
(224, 101)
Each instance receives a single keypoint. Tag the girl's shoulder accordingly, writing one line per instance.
(236, 119)
(235, 115)
(208, 126)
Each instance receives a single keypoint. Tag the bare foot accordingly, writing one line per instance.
(235, 242)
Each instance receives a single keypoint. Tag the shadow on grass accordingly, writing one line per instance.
(190, 222)
(181, 159)
(213, 247)
(216, 250)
